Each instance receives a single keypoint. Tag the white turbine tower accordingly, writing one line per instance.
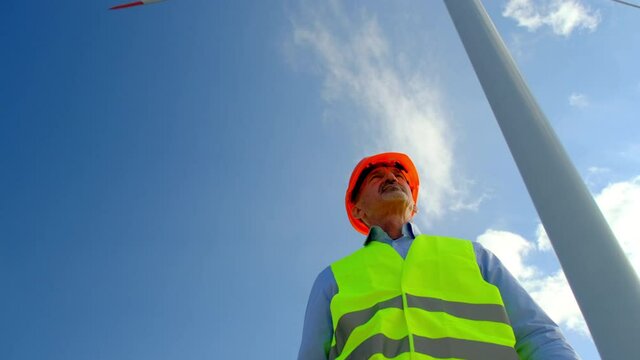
(601, 277)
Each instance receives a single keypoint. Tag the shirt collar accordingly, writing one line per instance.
(377, 234)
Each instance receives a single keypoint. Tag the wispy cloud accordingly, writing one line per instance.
(360, 66)
(631, 152)
(474, 205)
(598, 170)
(596, 177)
(561, 16)
(620, 204)
(578, 100)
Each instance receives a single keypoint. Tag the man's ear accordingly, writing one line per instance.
(357, 212)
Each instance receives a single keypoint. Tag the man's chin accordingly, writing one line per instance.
(393, 193)
(395, 197)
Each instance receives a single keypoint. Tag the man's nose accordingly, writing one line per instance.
(389, 176)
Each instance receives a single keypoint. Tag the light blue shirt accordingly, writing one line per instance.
(537, 336)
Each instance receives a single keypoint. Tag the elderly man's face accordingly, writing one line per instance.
(384, 190)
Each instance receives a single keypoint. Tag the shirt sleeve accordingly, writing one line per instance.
(537, 336)
(318, 326)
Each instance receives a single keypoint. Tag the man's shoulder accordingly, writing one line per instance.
(325, 284)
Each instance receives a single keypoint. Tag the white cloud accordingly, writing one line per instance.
(524, 12)
(543, 242)
(578, 100)
(404, 109)
(598, 170)
(562, 16)
(554, 295)
(511, 249)
(620, 204)
(551, 292)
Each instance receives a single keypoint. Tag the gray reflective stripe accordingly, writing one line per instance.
(483, 312)
(463, 349)
(348, 322)
(480, 312)
(380, 344)
(445, 348)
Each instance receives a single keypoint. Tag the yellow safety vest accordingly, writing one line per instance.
(432, 305)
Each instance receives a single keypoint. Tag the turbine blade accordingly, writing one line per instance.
(135, 3)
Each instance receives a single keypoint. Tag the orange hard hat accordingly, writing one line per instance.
(364, 167)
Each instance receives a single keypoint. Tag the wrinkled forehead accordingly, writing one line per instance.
(368, 170)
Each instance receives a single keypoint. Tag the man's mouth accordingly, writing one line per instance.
(387, 187)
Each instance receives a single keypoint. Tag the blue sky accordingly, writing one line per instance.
(173, 175)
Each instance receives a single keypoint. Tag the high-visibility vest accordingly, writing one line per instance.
(432, 305)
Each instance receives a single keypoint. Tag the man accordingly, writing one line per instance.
(410, 296)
